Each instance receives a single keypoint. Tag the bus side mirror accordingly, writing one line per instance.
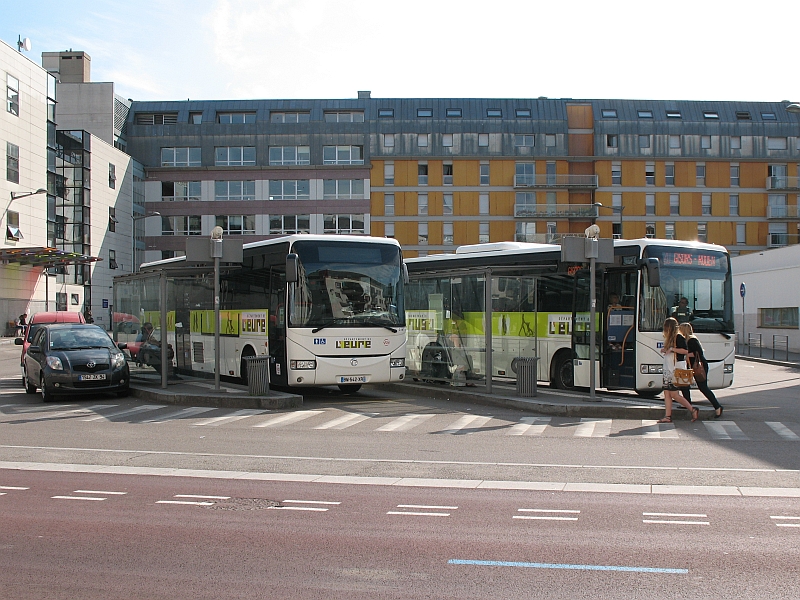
(653, 272)
(405, 273)
(292, 268)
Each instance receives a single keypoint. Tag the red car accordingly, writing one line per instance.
(36, 321)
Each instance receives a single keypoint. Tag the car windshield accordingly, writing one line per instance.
(78, 339)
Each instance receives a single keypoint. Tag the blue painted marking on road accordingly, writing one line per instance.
(502, 563)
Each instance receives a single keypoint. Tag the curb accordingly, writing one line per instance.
(769, 361)
(274, 400)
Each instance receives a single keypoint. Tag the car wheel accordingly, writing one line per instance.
(47, 396)
(29, 387)
(350, 388)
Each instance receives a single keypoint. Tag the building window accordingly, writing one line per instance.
(706, 204)
(700, 175)
(447, 173)
(386, 113)
(525, 204)
(702, 232)
(12, 162)
(342, 155)
(195, 118)
(525, 232)
(184, 225)
(616, 201)
(494, 113)
(344, 117)
(156, 118)
(483, 204)
(388, 230)
(388, 173)
(422, 204)
(644, 141)
(778, 317)
(741, 233)
(742, 115)
(705, 142)
(483, 232)
(525, 173)
(343, 223)
(422, 174)
(289, 117)
(669, 231)
(112, 176)
(736, 142)
(180, 191)
(12, 94)
(165, 254)
(180, 157)
(422, 140)
(650, 204)
(453, 113)
(650, 230)
(483, 140)
(674, 205)
(447, 234)
(609, 113)
(237, 224)
(768, 116)
(673, 114)
(288, 224)
(388, 205)
(669, 174)
(733, 204)
(235, 156)
(236, 117)
(734, 175)
(447, 204)
(424, 113)
(388, 140)
(289, 155)
(550, 140)
(288, 189)
(675, 142)
(447, 140)
(524, 141)
(234, 190)
(776, 143)
(710, 114)
(484, 173)
(650, 174)
(422, 234)
(12, 226)
(523, 113)
(616, 173)
(612, 140)
(343, 189)
(645, 114)
(112, 259)
(112, 219)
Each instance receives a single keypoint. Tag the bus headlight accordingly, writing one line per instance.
(651, 369)
(397, 362)
(727, 369)
(303, 364)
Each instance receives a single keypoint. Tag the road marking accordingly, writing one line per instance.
(77, 498)
(785, 518)
(306, 508)
(180, 414)
(593, 428)
(659, 514)
(404, 423)
(783, 431)
(424, 506)
(725, 430)
(549, 510)
(35, 409)
(530, 426)
(99, 492)
(311, 502)
(546, 514)
(126, 412)
(291, 417)
(457, 428)
(11, 487)
(345, 421)
(234, 416)
(422, 510)
(673, 521)
(654, 429)
(78, 411)
(202, 497)
(528, 565)
(184, 502)
(418, 514)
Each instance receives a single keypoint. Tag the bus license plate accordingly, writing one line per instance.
(92, 377)
(353, 379)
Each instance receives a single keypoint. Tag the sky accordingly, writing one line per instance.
(234, 49)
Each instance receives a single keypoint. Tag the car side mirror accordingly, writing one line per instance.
(122, 345)
(34, 349)
(18, 341)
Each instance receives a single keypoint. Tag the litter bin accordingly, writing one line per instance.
(257, 375)
(525, 368)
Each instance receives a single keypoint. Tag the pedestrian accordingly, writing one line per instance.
(22, 323)
(682, 313)
(674, 351)
(88, 316)
(695, 355)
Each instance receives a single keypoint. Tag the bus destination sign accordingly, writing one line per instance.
(690, 259)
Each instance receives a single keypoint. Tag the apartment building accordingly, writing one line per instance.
(438, 173)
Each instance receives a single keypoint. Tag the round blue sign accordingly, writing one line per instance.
(742, 289)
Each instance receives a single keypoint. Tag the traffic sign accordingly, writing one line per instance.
(742, 289)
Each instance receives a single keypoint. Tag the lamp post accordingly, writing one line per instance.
(616, 209)
(135, 218)
(216, 254)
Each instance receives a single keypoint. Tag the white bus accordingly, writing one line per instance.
(538, 306)
(328, 309)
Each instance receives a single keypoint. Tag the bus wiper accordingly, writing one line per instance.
(379, 324)
(323, 326)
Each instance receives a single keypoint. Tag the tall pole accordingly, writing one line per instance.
(592, 312)
(216, 322)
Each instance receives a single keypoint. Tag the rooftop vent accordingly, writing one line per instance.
(364, 95)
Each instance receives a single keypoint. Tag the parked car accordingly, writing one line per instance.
(35, 322)
(69, 358)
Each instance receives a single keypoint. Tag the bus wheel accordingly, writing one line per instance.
(563, 374)
(350, 388)
(648, 394)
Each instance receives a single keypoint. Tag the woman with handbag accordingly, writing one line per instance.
(700, 368)
(674, 351)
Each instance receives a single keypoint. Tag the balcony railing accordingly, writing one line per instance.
(556, 181)
(556, 211)
(544, 238)
(786, 211)
(777, 240)
(783, 183)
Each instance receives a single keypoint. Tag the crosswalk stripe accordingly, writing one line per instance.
(181, 414)
(593, 428)
(404, 423)
(344, 421)
(783, 431)
(292, 417)
(126, 412)
(530, 426)
(78, 411)
(458, 427)
(654, 429)
(725, 430)
(234, 416)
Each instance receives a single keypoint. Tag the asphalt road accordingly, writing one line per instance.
(669, 512)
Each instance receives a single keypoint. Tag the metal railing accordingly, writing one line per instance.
(785, 211)
(783, 183)
(555, 181)
(778, 348)
(564, 211)
(777, 240)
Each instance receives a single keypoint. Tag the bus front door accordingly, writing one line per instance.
(619, 330)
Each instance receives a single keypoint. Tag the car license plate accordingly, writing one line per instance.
(94, 377)
(353, 379)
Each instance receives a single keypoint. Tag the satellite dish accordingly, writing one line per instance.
(23, 44)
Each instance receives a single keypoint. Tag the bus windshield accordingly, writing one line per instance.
(695, 288)
(348, 284)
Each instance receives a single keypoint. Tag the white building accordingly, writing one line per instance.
(771, 304)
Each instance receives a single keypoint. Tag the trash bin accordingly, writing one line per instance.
(257, 375)
(525, 368)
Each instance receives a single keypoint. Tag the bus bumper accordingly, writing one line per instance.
(348, 370)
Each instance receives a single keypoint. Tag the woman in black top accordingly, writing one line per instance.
(696, 353)
(674, 351)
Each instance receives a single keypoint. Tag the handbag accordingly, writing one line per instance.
(683, 377)
(698, 370)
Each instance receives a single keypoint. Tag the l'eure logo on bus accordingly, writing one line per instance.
(354, 344)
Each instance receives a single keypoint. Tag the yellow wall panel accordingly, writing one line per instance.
(684, 174)
(690, 203)
(435, 233)
(405, 172)
(720, 203)
(466, 172)
(718, 174)
(465, 203)
(752, 205)
(685, 230)
(376, 203)
(502, 231)
(376, 228)
(501, 172)
(435, 172)
(602, 168)
(471, 230)
(662, 204)
(435, 202)
(753, 234)
(376, 173)
(633, 203)
(633, 173)
(752, 175)
(460, 233)
(502, 203)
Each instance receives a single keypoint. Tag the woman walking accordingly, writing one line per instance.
(696, 354)
(674, 351)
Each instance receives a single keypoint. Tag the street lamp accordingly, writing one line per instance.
(135, 218)
(616, 209)
(16, 195)
(216, 254)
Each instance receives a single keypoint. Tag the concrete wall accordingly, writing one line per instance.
(87, 106)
